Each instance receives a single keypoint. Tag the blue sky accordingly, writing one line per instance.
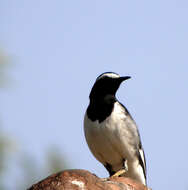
(58, 48)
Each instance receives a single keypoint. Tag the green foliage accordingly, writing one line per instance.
(55, 161)
(4, 65)
(5, 147)
(30, 171)
(19, 169)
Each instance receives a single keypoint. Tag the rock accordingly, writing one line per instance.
(84, 180)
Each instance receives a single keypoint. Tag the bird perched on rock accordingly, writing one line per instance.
(111, 132)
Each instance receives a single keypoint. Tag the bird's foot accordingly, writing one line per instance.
(120, 172)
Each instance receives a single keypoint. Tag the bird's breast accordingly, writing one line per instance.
(108, 140)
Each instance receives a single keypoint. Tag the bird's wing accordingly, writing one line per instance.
(138, 144)
(142, 159)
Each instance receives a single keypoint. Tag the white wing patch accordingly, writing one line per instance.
(142, 156)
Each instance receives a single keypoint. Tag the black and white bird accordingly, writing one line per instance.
(110, 131)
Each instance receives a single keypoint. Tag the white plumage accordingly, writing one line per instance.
(114, 140)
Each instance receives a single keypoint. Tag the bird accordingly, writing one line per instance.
(110, 131)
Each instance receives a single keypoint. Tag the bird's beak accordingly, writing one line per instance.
(124, 78)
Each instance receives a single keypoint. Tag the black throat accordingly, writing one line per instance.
(101, 107)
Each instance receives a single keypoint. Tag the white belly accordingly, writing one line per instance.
(111, 140)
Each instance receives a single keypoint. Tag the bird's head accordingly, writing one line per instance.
(107, 83)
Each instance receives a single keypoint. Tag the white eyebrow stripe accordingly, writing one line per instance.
(110, 75)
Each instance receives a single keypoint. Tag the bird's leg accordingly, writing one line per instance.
(122, 171)
(126, 165)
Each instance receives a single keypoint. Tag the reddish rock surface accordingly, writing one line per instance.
(84, 180)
